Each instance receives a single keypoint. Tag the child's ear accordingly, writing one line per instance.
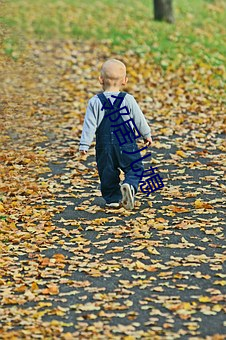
(125, 81)
(101, 80)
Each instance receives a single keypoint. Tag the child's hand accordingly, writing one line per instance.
(83, 152)
(148, 141)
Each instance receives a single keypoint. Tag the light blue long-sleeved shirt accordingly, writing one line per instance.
(94, 116)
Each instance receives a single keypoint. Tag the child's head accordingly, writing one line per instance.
(113, 75)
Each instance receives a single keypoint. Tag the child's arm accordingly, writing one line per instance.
(88, 130)
(140, 121)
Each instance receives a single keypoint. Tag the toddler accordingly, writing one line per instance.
(108, 114)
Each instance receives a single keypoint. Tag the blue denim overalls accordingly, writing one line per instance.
(110, 157)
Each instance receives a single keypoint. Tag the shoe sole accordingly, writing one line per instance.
(127, 196)
(112, 205)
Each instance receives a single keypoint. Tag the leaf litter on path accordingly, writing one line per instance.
(70, 268)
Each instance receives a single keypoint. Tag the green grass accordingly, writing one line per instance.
(198, 31)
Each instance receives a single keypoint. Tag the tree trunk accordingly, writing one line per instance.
(163, 10)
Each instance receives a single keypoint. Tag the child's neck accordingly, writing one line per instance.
(112, 89)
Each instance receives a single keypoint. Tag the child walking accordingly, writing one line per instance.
(107, 113)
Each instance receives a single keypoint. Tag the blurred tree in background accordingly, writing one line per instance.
(163, 10)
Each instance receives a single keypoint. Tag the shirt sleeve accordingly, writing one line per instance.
(139, 119)
(89, 128)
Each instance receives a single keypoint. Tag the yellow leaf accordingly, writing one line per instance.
(78, 239)
(115, 250)
(100, 221)
(160, 226)
(187, 306)
(34, 286)
(202, 205)
(53, 289)
(192, 326)
(153, 251)
(38, 315)
(12, 225)
(204, 299)
(67, 336)
(44, 304)
(59, 257)
(155, 161)
(20, 289)
(1, 208)
(158, 289)
(183, 240)
(222, 282)
(181, 153)
(217, 308)
(140, 265)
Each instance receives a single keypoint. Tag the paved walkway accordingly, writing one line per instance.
(79, 271)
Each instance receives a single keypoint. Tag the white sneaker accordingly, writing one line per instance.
(113, 205)
(128, 194)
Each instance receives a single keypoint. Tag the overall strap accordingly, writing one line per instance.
(105, 102)
(104, 133)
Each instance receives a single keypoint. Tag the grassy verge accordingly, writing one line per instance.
(197, 33)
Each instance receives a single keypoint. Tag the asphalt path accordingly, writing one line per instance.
(153, 273)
